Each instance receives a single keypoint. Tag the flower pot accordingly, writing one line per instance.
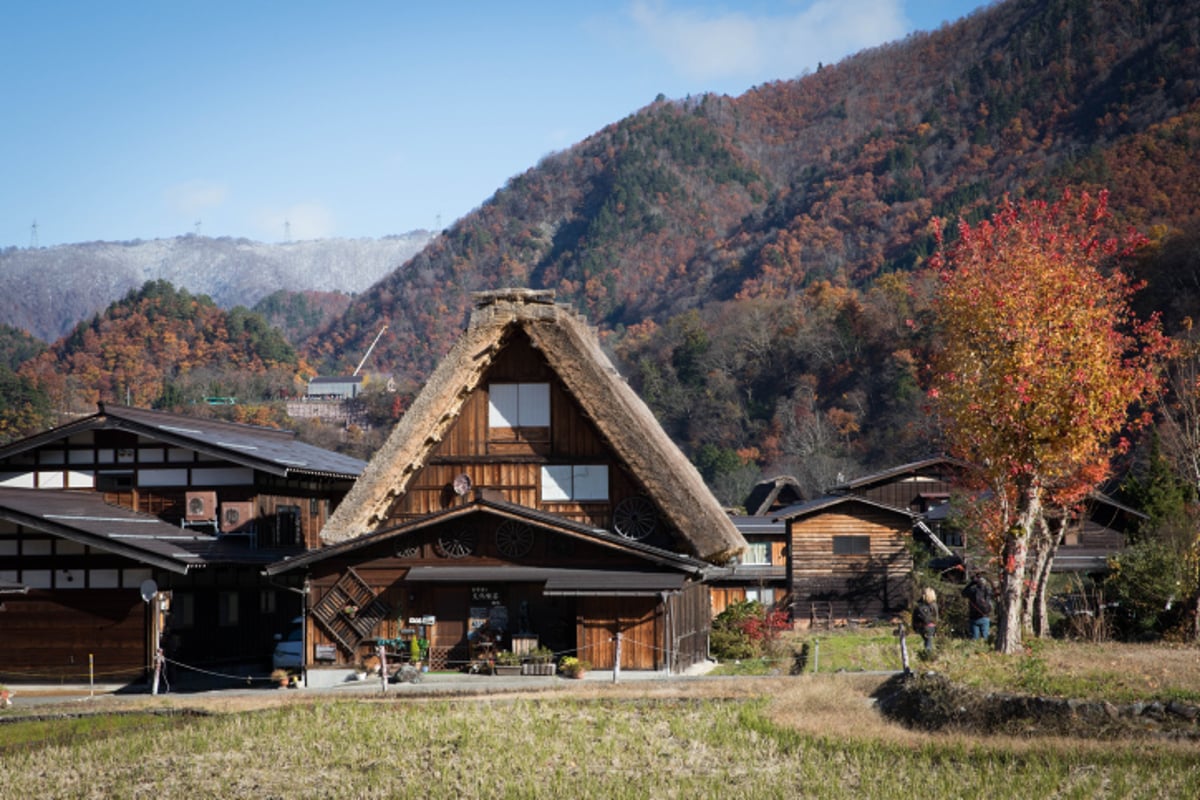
(507, 669)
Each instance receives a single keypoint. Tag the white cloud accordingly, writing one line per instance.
(296, 222)
(713, 46)
(192, 197)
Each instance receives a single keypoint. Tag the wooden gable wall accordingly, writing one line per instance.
(509, 461)
(855, 585)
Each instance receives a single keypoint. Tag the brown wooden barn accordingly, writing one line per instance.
(92, 510)
(528, 495)
(849, 559)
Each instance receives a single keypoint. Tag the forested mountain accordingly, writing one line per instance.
(46, 291)
(754, 263)
(752, 260)
(164, 347)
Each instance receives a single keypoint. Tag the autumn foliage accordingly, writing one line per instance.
(1039, 361)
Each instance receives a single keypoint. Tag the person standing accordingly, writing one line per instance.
(979, 606)
(925, 617)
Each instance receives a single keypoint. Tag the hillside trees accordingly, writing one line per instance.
(1038, 362)
(159, 346)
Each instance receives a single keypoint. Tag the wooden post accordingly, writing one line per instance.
(617, 660)
(91, 676)
(383, 672)
(903, 648)
(158, 662)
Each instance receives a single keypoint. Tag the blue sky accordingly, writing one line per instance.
(142, 120)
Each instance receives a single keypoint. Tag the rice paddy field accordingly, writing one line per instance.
(807, 735)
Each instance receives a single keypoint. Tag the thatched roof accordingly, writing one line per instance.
(573, 351)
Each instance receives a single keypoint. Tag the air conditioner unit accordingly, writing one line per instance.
(236, 517)
(200, 507)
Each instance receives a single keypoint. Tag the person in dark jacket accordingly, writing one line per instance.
(979, 606)
(925, 617)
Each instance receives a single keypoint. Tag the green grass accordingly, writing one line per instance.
(564, 747)
(1120, 673)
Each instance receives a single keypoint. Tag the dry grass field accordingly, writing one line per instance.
(749, 737)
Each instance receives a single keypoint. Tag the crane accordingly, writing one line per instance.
(369, 349)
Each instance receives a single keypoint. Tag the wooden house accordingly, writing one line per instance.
(772, 494)
(916, 486)
(95, 513)
(760, 573)
(528, 495)
(849, 559)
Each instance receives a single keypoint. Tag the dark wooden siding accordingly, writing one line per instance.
(48, 636)
(865, 585)
(509, 461)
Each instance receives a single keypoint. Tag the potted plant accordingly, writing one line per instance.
(572, 667)
(539, 661)
(5, 696)
(280, 676)
(507, 663)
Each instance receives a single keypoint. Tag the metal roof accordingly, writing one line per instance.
(894, 472)
(84, 517)
(829, 501)
(759, 526)
(271, 450)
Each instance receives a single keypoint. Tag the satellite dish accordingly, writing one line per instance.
(462, 484)
(148, 589)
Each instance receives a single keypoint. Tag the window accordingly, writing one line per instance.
(575, 482)
(764, 596)
(227, 609)
(266, 601)
(851, 545)
(519, 405)
(757, 553)
(183, 610)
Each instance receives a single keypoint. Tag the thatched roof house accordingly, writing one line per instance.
(528, 494)
(573, 352)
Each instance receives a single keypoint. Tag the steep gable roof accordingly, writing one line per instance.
(572, 350)
(777, 492)
(912, 469)
(271, 450)
(820, 504)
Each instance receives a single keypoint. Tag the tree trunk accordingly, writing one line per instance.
(1040, 622)
(1012, 569)
(1012, 578)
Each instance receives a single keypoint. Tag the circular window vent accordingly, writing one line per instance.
(635, 517)
(458, 544)
(514, 539)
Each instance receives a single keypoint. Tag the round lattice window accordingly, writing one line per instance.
(635, 517)
(458, 544)
(514, 539)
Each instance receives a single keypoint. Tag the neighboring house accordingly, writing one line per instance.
(345, 387)
(848, 559)
(772, 494)
(761, 573)
(528, 495)
(916, 486)
(93, 511)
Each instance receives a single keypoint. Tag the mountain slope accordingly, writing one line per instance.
(830, 178)
(45, 291)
